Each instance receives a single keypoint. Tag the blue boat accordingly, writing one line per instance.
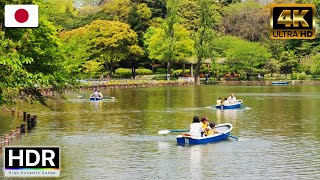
(235, 105)
(279, 83)
(224, 132)
(95, 98)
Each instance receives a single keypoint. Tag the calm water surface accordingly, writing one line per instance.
(278, 131)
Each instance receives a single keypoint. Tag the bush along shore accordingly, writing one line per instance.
(131, 83)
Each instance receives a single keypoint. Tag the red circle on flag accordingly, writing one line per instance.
(21, 15)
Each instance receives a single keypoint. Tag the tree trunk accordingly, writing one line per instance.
(191, 70)
(133, 72)
(106, 67)
(168, 70)
(133, 68)
(183, 69)
(111, 69)
(152, 67)
(196, 77)
(248, 76)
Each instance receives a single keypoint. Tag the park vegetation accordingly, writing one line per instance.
(125, 38)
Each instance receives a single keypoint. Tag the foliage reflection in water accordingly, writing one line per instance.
(279, 134)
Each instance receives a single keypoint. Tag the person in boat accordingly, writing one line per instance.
(100, 94)
(232, 98)
(204, 125)
(195, 128)
(211, 131)
(219, 102)
(96, 94)
(226, 101)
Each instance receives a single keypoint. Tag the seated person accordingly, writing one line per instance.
(232, 98)
(225, 102)
(204, 125)
(211, 131)
(219, 101)
(195, 128)
(100, 95)
(95, 94)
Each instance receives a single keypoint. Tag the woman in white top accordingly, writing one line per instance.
(232, 99)
(195, 128)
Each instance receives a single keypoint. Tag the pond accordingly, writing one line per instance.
(278, 131)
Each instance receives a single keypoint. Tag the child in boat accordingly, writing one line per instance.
(195, 128)
(225, 102)
(211, 131)
(100, 95)
(219, 101)
(204, 124)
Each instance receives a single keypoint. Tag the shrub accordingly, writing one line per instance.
(302, 76)
(123, 72)
(178, 72)
(161, 70)
(142, 71)
(294, 76)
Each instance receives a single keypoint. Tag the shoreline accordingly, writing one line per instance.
(156, 83)
(115, 84)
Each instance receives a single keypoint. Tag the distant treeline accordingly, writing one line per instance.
(92, 38)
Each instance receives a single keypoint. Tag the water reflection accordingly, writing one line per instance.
(96, 104)
(195, 162)
(279, 136)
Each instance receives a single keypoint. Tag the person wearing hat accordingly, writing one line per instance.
(211, 131)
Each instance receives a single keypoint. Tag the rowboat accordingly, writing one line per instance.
(235, 105)
(279, 83)
(224, 132)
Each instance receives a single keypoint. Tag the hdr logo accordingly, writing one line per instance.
(292, 21)
(32, 161)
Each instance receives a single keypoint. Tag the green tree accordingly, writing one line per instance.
(172, 41)
(204, 35)
(189, 13)
(147, 37)
(288, 61)
(135, 52)
(30, 59)
(117, 9)
(107, 42)
(248, 20)
(315, 68)
(246, 56)
(272, 66)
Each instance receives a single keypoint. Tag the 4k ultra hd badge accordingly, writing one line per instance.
(292, 21)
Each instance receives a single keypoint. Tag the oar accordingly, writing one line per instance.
(234, 137)
(169, 131)
(243, 106)
(231, 136)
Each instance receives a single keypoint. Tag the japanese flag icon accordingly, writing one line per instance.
(21, 16)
